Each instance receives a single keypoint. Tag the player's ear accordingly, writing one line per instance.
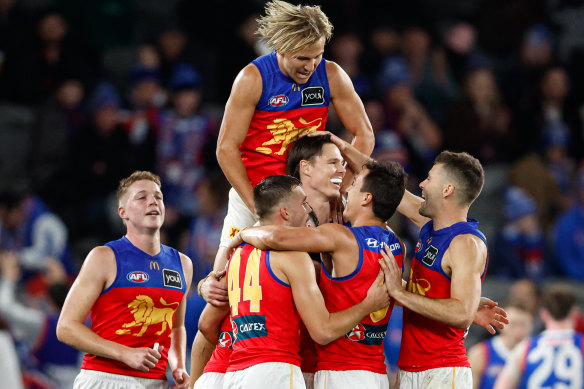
(284, 214)
(122, 212)
(367, 197)
(304, 166)
(448, 190)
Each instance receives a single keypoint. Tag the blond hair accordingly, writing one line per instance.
(291, 28)
(138, 175)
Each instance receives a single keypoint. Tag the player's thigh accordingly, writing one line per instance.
(443, 377)
(349, 379)
(238, 217)
(271, 375)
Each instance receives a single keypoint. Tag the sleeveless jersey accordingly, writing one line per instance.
(220, 358)
(362, 347)
(426, 343)
(137, 310)
(285, 110)
(265, 322)
(554, 359)
(495, 356)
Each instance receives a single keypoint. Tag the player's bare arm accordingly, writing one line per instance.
(177, 352)
(465, 262)
(350, 110)
(410, 207)
(296, 269)
(325, 238)
(240, 107)
(97, 273)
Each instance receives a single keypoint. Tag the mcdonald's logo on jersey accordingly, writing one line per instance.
(154, 265)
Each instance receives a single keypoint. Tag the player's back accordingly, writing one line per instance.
(264, 319)
(554, 359)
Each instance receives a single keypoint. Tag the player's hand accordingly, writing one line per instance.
(214, 291)
(377, 294)
(181, 379)
(335, 139)
(142, 358)
(392, 272)
(490, 315)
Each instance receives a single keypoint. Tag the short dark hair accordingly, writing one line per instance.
(386, 181)
(466, 171)
(558, 300)
(272, 191)
(306, 148)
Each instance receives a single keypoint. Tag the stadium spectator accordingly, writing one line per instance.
(520, 246)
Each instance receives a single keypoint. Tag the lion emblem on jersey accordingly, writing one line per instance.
(284, 133)
(146, 314)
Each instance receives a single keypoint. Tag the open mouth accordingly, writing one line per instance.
(336, 181)
(153, 213)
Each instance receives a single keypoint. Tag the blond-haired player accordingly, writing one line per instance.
(135, 288)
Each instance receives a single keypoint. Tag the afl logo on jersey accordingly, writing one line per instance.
(138, 277)
(357, 333)
(278, 101)
(418, 246)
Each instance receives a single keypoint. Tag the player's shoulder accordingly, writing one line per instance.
(101, 253)
(100, 263)
(186, 262)
(468, 241)
(250, 71)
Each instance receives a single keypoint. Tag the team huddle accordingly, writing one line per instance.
(307, 272)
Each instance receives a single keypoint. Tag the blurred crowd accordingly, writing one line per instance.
(91, 91)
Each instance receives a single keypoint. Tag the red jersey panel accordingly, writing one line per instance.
(426, 343)
(137, 310)
(265, 322)
(220, 359)
(362, 347)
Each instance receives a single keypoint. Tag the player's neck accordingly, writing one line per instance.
(366, 219)
(319, 203)
(448, 216)
(147, 242)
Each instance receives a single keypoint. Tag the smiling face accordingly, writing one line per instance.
(301, 65)
(432, 188)
(143, 205)
(354, 197)
(325, 172)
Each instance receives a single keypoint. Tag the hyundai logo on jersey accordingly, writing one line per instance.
(373, 243)
(278, 101)
(313, 95)
(138, 277)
